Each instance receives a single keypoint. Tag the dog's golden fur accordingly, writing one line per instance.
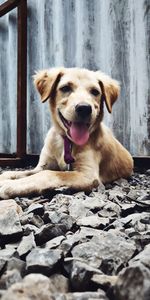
(100, 159)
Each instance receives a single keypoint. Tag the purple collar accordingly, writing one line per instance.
(67, 151)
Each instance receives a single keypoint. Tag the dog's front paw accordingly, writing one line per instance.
(6, 191)
(4, 182)
(8, 175)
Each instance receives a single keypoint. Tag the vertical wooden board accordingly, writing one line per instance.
(8, 82)
(119, 63)
(139, 78)
(12, 78)
(35, 57)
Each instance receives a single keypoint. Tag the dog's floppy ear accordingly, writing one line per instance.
(110, 89)
(46, 82)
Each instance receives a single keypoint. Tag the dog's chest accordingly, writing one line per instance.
(59, 155)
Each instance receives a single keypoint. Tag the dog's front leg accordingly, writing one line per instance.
(43, 181)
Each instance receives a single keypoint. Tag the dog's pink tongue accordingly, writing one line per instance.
(79, 133)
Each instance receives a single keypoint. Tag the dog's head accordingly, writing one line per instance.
(76, 99)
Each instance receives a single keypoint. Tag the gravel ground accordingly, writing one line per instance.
(77, 246)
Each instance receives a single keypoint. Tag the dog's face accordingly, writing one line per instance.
(76, 97)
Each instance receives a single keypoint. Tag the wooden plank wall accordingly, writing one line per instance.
(111, 35)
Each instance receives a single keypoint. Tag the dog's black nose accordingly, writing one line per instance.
(83, 110)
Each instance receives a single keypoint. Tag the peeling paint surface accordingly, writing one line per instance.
(110, 35)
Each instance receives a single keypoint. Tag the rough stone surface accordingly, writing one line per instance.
(10, 226)
(79, 246)
(43, 260)
(133, 283)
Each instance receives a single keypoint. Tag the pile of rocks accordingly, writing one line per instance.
(78, 246)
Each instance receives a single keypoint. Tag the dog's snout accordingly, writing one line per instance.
(83, 109)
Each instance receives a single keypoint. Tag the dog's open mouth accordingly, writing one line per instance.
(77, 131)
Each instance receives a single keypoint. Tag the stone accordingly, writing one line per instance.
(93, 221)
(116, 192)
(16, 263)
(104, 281)
(39, 287)
(111, 209)
(55, 242)
(33, 286)
(81, 274)
(36, 208)
(107, 252)
(133, 283)
(43, 260)
(48, 232)
(31, 218)
(82, 235)
(148, 172)
(59, 203)
(99, 295)
(133, 195)
(10, 227)
(58, 283)
(26, 245)
(132, 220)
(143, 257)
(77, 209)
(2, 264)
(8, 278)
(7, 253)
(59, 218)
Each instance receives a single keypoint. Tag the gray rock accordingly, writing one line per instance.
(104, 281)
(26, 218)
(8, 278)
(79, 208)
(58, 283)
(127, 208)
(93, 221)
(26, 245)
(133, 283)
(110, 210)
(10, 227)
(36, 208)
(7, 253)
(55, 242)
(3, 261)
(43, 260)
(148, 172)
(81, 236)
(133, 195)
(59, 218)
(100, 295)
(16, 263)
(80, 274)
(31, 218)
(133, 220)
(116, 193)
(107, 252)
(34, 286)
(59, 203)
(48, 232)
(143, 257)
(38, 286)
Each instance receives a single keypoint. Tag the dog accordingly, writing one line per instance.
(79, 152)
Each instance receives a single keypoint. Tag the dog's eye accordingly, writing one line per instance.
(66, 89)
(94, 92)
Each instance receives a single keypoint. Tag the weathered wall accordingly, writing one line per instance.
(111, 35)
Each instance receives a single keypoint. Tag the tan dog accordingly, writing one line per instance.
(78, 140)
